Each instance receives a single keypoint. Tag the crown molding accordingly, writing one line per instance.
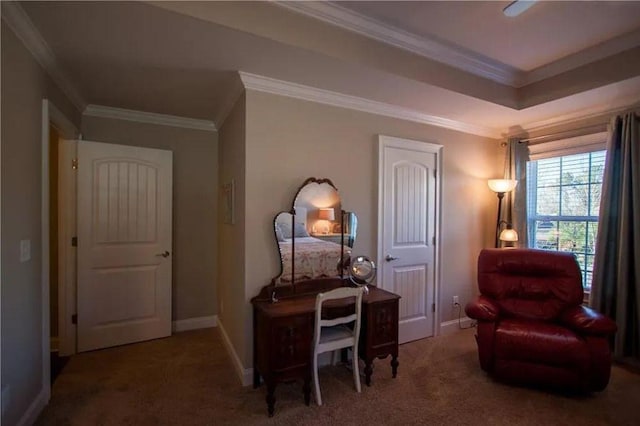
(20, 23)
(312, 94)
(148, 117)
(595, 116)
(454, 55)
(449, 54)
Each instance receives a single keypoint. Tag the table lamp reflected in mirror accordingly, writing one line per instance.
(325, 216)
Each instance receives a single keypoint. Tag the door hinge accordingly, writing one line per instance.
(433, 307)
(435, 173)
(74, 241)
(433, 241)
(74, 164)
(74, 319)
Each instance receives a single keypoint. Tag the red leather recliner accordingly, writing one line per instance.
(532, 326)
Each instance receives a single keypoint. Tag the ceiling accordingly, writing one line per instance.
(547, 32)
(457, 62)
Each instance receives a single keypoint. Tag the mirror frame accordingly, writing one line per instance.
(277, 280)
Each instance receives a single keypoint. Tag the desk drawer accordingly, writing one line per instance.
(290, 342)
(380, 329)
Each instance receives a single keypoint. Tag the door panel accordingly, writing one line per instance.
(408, 220)
(409, 282)
(124, 244)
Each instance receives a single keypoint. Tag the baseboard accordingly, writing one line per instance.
(31, 415)
(195, 323)
(450, 327)
(244, 374)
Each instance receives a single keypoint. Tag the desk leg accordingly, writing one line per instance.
(256, 378)
(271, 397)
(394, 365)
(306, 389)
(368, 370)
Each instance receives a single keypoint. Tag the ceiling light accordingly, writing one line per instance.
(517, 7)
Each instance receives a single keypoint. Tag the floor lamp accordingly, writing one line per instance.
(500, 187)
(508, 236)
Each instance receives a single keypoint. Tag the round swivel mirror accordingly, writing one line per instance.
(362, 271)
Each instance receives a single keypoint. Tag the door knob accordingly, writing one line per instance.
(389, 258)
(165, 254)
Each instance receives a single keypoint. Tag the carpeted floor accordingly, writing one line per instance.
(188, 379)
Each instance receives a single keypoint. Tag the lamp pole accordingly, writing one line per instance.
(500, 187)
(500, 197)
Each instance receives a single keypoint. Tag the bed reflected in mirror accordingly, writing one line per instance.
(315, 235)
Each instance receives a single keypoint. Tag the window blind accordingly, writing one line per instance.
(562, 147)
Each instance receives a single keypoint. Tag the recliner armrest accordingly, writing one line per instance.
(587, 321)
(482, 309)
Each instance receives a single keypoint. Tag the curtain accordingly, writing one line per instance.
(515, 167)
(615, 289)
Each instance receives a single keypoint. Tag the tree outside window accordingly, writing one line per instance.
(563, 205)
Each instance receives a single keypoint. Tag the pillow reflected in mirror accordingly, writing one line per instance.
(299, 230)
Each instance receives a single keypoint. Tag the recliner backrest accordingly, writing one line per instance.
(529, 283)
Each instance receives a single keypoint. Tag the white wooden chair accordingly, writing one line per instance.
(331, 335)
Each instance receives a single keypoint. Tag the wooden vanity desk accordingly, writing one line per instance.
(283, 332)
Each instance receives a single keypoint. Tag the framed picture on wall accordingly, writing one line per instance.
(227, 202)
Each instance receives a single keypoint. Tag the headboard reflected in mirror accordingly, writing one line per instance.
(315, 235)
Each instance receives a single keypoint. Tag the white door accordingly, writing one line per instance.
(406, 248)
(124, 244)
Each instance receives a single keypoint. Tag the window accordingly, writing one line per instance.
(563, 202)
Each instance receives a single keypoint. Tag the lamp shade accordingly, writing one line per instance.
(326, 214)
(509, 234)
(502, 185)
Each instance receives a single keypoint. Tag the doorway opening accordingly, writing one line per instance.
(57, 360)
(55, 127)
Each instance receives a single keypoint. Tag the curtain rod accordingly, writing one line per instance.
(572, 132)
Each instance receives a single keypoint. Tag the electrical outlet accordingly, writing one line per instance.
(455, 301)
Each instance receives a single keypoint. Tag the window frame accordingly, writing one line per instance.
(587, 144)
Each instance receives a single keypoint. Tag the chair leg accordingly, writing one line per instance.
(356, 372)
(316, 383)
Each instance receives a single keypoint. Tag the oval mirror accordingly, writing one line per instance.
(318, 234)
(362, 270)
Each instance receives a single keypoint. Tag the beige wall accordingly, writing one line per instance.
(233, 311)
(289, 140)
(195, 198)
(291, 28)
(24, 85)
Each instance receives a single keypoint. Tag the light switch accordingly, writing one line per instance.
(25, 250)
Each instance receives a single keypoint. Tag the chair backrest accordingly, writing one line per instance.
(529, 283)
(339, 293)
